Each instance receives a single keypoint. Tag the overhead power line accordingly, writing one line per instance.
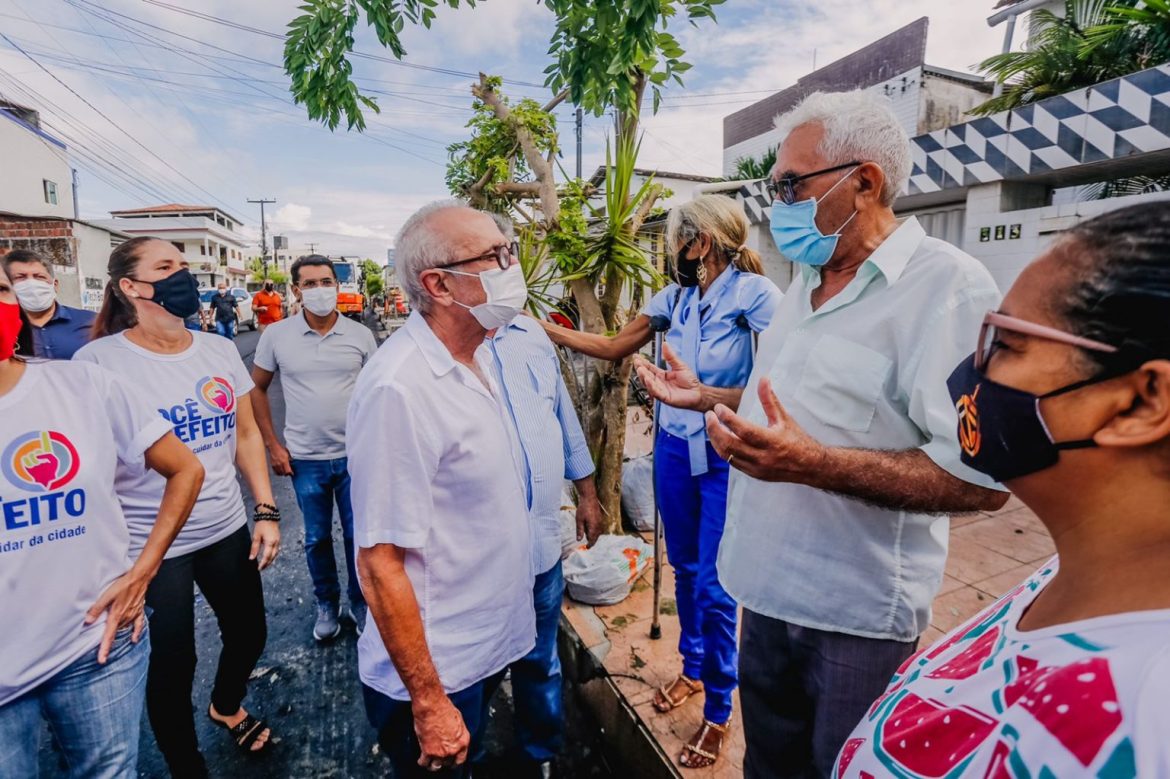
(120, 129)
(363, 55)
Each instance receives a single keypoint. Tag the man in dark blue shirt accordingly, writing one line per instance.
(57, 330)
(223, 305)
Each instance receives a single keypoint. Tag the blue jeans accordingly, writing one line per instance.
(693, 512)
(804, 691)
(226, 329)
(318, 485)
(536, 677)
(394, 722)
(93, 710)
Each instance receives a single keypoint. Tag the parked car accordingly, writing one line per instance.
(247, 317)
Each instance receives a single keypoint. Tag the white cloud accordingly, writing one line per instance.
(291, 216)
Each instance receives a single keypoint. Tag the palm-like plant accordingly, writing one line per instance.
(753, 168)
(1064, 54)
(1145, 27)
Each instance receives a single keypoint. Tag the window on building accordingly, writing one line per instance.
(182, 247)
(203, 249)
(50, 191)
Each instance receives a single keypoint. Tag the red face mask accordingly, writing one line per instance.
(10, 325)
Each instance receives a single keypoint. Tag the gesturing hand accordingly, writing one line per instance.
(677, 386)
(782, 451)
(443, 739)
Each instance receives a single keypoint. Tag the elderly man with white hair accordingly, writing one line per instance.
(440, 509)
(844, 452)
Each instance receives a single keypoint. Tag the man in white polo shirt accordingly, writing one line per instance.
(439, 496)
(318, 354)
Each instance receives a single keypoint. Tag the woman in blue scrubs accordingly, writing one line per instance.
(719, 300)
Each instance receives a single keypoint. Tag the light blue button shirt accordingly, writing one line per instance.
(867, 369)
(529, 373)
(712, 333)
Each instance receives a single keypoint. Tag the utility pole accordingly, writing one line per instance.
(312, 248)
(263, 234)
(580, 120)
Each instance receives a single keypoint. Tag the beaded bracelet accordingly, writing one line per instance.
(266, 512)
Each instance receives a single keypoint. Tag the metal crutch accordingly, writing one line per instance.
(658, 325)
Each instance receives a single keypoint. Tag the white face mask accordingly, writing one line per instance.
(35, 295)
(320, 300)
(506, 295)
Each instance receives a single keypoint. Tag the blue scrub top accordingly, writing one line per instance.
(734, 306)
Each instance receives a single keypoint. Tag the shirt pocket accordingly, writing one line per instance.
(842, 381)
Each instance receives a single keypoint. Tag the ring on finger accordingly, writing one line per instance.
(730, 457)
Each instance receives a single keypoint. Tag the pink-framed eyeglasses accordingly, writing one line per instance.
(995, 321)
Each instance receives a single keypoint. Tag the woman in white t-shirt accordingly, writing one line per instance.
(1067, 402)
(75, 647)
(199, 384)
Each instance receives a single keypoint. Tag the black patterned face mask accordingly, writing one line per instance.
(1001, 430)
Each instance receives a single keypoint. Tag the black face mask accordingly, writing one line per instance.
(1001, 431)
(178, 293)
(687, 271)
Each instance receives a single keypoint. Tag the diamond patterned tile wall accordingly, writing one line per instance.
(1130, 115)
(1116, 119)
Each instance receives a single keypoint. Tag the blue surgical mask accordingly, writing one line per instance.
(795, 231)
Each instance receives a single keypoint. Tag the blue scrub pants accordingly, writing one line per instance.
(693, 511)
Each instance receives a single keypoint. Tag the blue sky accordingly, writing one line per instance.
(187, 122)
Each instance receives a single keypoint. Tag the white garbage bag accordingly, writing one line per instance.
(604, 574)
(638, 492)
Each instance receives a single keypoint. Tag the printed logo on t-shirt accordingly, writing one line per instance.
(217, 394)
(209, 414)
(42, 462)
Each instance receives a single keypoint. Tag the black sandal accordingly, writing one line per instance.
(245, 732)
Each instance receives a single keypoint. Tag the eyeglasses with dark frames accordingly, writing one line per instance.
(995, 321)
(784, 188)
(502, 254)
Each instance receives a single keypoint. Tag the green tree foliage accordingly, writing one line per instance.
(275, 275)
(372, 278)
(1093, 41)
(604, 52)
(753, 168)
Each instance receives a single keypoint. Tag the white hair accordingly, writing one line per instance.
(420, 247)
(858, 126)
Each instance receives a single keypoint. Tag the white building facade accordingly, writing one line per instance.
(34, 166)
(209, 239)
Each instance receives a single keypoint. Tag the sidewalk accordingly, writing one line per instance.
(989, 554)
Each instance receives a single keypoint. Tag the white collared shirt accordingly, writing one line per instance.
(433, 465)
(868, 369)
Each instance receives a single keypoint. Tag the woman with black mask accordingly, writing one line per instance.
(1067, 401)
(199, 384)
(719, 300)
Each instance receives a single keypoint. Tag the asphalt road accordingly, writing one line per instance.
(308, 692)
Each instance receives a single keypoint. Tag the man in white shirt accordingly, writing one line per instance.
(439, 498)
(844, 452)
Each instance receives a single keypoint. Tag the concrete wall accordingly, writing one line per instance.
(992, 219)
(945, 102)
(27, 157)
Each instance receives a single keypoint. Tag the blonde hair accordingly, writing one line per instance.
(720, 217)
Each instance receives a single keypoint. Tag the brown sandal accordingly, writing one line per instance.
(697, 753)
(664, 701)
